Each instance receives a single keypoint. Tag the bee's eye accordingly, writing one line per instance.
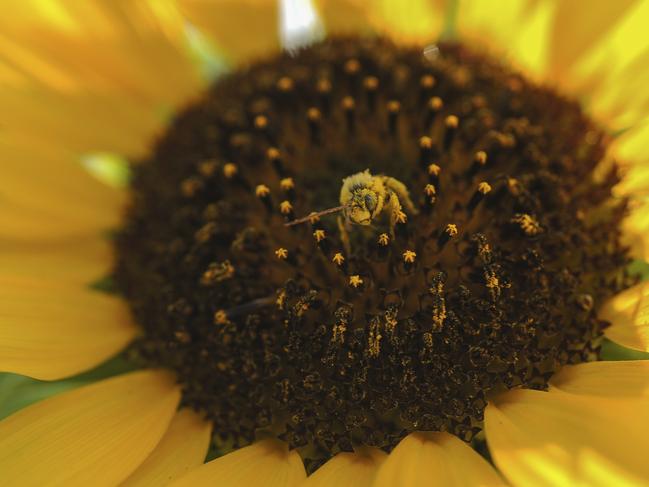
(370, 202)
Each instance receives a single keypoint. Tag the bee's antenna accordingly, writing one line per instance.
(315, 215)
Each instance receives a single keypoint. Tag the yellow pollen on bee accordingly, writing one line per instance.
(281, 253)
(261, 191)
(451, 229)
(384, 239)
(319, 235)
(480, 157)
(285, 207)
(287, 184)
(221, 317)
(230, 170)
(430, 190)
(401, 217)
(261, 121)
(338, 259)
(425, 142)
(435, 103)
(355, 281)
(409, 256)
(348, 103)
(452, 122)
(371, 83)
(434, 170)
(285, 84)
(484, 187)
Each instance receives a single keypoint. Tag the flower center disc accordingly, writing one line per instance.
(492, 282)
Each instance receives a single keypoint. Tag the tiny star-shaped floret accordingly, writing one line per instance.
(281, 253)
(451, 230)
(285, 207)
(287, 184)
(355, 281)
(262, 191)
(409, 256)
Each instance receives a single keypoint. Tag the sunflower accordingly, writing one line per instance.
(454, 341)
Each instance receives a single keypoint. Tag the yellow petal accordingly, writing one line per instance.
(577, 26)
(268, 463)
(241, 29)
(518, 29)
(75, 262)
(635, 183)
(630, 151)
(615, 69)
(345, 16)
(348, 469)
(414, 21)
(47, 195)
(635, 230)
(553, 438)
(50, 330)
(87, 74)
(95, 435)
(435, 459)
(629, 314)
(624, 378)
(182, 448)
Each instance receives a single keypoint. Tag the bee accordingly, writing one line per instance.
(364, 199)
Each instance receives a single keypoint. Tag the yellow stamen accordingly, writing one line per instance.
(452, 122)
(355, 281)
(221, 318)
(287, 184)
(285, 84)
(371, 83)
(451, 230)
(261, 191)
(281, 253)
(230, 170)
(409, 257)
(261, 122)
(427, 81)
(352, 66)
(434, 170)
(484, 187)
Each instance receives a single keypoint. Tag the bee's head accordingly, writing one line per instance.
(362, 206)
